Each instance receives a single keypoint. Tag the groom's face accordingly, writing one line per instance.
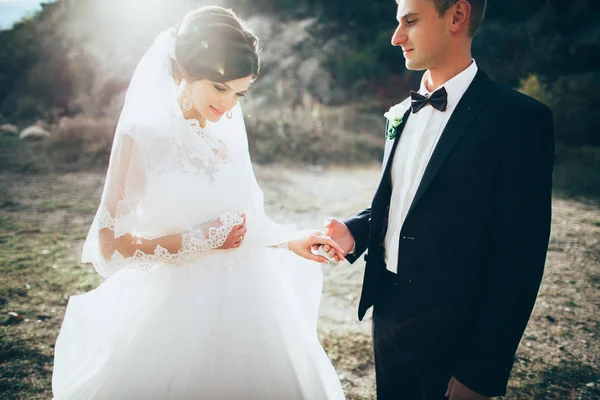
(422, 34)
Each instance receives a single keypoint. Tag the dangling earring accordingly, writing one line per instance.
(186, 103)
(228, 114)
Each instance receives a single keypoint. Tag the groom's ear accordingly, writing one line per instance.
(461, 16)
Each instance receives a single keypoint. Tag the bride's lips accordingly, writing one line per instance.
(217, 112)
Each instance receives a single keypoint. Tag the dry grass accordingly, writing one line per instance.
(83, 140)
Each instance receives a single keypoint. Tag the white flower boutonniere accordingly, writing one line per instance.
(394, 116)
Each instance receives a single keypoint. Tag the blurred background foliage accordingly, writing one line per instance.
(329, 72)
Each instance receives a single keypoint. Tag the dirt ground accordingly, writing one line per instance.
(44, 220)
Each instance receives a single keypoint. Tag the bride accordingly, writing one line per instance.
(201, 300)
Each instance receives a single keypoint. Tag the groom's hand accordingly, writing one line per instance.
(339, 232)
(458, 391)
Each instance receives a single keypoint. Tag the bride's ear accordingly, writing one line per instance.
(176, 72)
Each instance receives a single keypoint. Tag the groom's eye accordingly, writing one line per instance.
(411, 22)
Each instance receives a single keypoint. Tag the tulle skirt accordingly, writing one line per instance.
(237, 324)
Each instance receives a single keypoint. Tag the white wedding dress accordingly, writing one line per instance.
(202, 323)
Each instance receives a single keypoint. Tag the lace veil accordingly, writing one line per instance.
(169, 176)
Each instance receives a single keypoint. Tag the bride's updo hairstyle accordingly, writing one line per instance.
(212, 43)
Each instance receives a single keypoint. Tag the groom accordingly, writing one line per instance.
(458, 229)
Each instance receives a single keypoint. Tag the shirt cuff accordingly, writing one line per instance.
(352, 252)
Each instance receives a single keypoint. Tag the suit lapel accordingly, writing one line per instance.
(465, 113)
(386, 177)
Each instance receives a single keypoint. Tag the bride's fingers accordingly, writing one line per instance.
(313, 257)
(332, 244)
(326, 248)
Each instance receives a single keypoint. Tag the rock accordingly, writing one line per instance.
(292, 59)
(34, 133)
(8, 129)
(42, 124)
(12, 319)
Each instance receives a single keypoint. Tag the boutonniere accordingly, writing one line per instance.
(394, 116)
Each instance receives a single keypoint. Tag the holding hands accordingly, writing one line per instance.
(339, 232)
(334, 244)
(304, 246)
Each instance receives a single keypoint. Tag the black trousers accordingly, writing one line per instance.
(402, 372)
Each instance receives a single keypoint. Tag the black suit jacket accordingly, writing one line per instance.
(474, 242)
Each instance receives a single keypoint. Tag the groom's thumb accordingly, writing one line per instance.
(328, 224)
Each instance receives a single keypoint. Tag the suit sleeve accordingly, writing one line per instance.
(359, 226)
(520, 230)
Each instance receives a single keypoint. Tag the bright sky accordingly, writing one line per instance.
(13, 10)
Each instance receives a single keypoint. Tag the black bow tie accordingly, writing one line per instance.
(438, 100)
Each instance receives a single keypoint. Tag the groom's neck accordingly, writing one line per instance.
(444, 71)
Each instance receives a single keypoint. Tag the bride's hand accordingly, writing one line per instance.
(303, 247)
(236, 236)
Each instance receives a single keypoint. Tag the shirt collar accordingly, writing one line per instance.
(456, 87)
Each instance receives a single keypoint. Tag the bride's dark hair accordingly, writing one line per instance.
(212, 43)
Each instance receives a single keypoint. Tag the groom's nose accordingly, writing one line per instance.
(398, 37)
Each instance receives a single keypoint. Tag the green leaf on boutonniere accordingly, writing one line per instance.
(393, 128)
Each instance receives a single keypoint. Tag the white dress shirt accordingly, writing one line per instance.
(417, 142)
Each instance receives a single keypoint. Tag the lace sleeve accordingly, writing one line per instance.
(210, 236)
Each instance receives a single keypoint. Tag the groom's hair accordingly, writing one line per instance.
(477, 12)
(213, 43)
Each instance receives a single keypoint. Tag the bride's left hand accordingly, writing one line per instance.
(303, 247)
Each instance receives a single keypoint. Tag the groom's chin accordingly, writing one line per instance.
(412, 66)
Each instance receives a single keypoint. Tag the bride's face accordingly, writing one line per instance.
(213, 99)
